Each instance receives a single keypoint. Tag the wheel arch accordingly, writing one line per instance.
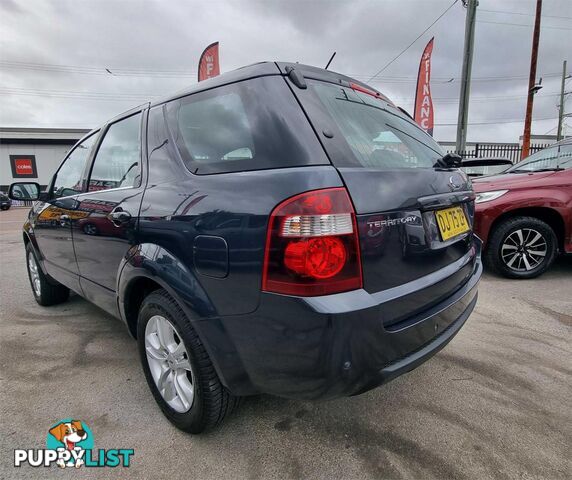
(149, 267)
(548, 215)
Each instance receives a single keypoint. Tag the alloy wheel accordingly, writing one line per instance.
(524, 249)
(169, 364)
(34, 274)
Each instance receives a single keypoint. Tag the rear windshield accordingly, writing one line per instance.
(377, 134)
(251, 125)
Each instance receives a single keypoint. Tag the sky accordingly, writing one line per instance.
(78, 63)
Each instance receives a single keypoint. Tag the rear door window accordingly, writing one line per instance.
(250, 125)
(378, 135)
(118, 160)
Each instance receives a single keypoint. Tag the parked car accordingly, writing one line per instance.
(524, 216)
(261, 239)
(5, 202)
(478, 167)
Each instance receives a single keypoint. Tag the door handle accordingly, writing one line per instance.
(64, 219)
(119, 217)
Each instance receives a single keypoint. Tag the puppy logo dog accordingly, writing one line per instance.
(69, 434)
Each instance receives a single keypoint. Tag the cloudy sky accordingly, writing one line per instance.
(54, 54)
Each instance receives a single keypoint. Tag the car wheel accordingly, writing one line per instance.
(46, 291)
(90, 229)
(521, 247)
(177, 367)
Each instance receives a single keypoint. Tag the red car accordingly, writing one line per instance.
(524, 215)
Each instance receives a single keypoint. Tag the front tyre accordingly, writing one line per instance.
(46, 292)
(177, 367)
(521, 247)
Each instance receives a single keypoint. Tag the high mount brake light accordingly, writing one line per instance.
(367, 91)
(372, 93)
(312, 245)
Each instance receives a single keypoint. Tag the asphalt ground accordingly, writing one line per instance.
(495, 403)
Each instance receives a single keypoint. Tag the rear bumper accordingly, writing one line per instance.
(332, 346)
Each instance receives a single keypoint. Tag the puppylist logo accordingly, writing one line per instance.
(69, 443)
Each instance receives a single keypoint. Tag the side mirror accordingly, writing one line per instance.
(24, 191)
(450, 160)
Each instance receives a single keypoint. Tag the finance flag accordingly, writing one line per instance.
(423, 102)
(209, 64)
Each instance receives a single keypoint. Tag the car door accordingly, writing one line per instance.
(109, 208)
(52, 220)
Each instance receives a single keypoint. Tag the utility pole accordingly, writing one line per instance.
(531, 82)
(471, 6)
(561, 111)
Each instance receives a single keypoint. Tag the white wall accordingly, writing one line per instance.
(48, 158)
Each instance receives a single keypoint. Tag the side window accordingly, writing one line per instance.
(118, 160)
(69, 176)
(250, 125)
(216, 129)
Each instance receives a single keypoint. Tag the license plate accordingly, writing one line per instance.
(451, 222)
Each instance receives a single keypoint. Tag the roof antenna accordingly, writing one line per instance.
(330, 60)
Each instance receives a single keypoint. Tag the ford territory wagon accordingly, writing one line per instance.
(278, 229)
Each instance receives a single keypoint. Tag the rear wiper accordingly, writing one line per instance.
(450, 160)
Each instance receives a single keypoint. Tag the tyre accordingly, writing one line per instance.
(90, 229)
(521, 247)
(177, 367)
(46, 292)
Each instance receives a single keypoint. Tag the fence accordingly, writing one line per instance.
(510, 151)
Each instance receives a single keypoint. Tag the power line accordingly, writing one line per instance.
(141, 72)
(418, 37)
(106, 71)
(522, 25)
(494, 122)
(479, 99)
(451, 79)
(521, 13)
(147, 96)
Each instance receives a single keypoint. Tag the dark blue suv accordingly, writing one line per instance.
(279, 229)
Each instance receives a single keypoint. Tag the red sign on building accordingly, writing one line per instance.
(23, 166)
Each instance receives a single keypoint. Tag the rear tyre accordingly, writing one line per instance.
(177, 367)
(521, 247)
(46, 292)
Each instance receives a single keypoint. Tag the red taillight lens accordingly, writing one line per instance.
(312, 245)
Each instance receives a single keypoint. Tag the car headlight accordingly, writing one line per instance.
(488, 196)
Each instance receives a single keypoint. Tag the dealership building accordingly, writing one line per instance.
(33, 153)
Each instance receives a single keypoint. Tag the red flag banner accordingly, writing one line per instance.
(208, 63)
(423, 102)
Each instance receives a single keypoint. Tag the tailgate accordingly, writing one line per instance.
(414, 218)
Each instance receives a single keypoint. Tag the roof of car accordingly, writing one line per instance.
(255, 70)
(260, 70)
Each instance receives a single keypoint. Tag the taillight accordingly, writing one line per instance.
(312, 245)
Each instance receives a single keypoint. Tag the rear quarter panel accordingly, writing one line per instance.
(179, 206)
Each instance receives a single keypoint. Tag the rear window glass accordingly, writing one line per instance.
(251, 125)
(377, 137)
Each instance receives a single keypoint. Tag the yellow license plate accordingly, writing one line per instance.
(451, 222)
